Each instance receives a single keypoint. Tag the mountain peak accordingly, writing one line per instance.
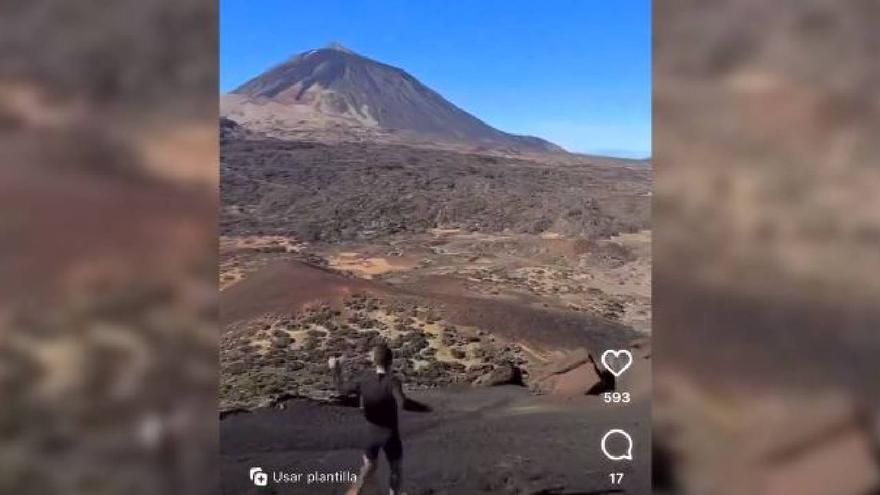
(368, 93)
(335, 45)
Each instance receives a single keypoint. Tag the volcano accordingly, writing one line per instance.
(334, 87)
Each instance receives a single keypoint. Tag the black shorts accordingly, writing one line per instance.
(386, 439)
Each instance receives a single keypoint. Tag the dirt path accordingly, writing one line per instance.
(497, 440)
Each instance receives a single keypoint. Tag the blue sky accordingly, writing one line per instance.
(575, 72)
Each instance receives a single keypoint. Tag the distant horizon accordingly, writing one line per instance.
(592, 111)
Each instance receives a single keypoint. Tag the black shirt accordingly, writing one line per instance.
(377, 397)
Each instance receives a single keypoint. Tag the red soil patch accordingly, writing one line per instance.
(541, 328)
(519, 321)
(287, 287)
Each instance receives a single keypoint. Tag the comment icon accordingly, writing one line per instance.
(617, 445)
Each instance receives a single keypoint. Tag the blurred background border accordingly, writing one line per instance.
(767, 222)
(108, 214)
(766, 246)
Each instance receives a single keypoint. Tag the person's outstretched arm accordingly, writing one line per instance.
(405, 402)
(342, 387)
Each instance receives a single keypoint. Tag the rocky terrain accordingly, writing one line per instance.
(359, 207)
(459, 297)
(278, 356)
(496, 280)
(316, 191)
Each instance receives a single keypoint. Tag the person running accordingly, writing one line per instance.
(380, 393)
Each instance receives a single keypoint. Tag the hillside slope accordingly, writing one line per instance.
(336, 87)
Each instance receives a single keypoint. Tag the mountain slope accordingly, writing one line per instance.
(336, 86)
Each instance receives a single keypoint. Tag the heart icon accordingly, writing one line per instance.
(617, 361)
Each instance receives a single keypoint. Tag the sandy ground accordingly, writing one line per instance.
(368, 267)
